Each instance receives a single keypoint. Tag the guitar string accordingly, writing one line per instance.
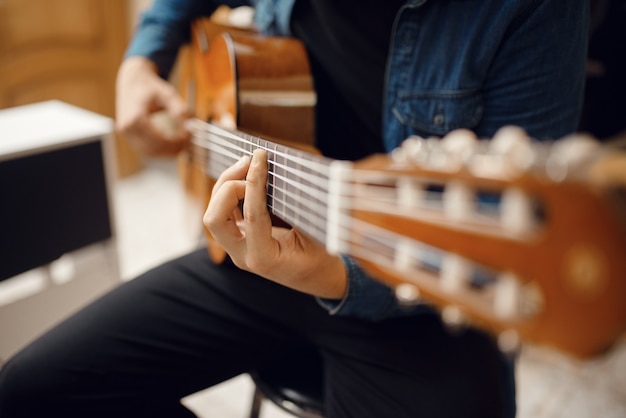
(309, 205)
(372, 248)
(215, 142)
(377, 199)
(298, 203)
(428, 207)
(233, 157)
(381, 195)
(297, 206)
(235, 152)
(206, 131)
(383, 246)
(314, 210)
(428, 196)
(475, 206)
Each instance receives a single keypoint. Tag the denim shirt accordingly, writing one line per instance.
(472, 64)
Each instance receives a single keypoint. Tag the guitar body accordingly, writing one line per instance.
(241, 80)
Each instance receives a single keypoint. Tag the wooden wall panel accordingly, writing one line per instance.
(77, 89)
(68, 50)
(36, 23)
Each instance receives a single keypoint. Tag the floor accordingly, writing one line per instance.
(156, 221)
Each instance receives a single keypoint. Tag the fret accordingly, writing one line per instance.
(249, 147)
(298, 182)
(305, 199)
(280, 193)
(338, 205)
(273, 183)
(297, 195)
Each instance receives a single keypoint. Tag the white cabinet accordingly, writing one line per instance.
(57, 238)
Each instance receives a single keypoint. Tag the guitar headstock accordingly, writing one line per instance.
(511, 234)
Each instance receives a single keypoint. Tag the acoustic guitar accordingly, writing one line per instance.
(526, 240)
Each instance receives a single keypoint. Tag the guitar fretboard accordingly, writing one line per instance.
(298, 183)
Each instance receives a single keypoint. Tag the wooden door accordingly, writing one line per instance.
(67, 50)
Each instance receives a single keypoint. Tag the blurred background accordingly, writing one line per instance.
(67, 50)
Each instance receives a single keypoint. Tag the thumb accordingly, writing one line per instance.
(170, 120)
(173, 103)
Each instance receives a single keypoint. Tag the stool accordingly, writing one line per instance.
(295, 385)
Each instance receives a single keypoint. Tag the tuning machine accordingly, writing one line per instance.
(446, 154)
(508, 153)
(568, 155)
(454, 319)
(408, 295)
(509, 342)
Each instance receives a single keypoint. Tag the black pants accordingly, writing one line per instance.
(189, 324)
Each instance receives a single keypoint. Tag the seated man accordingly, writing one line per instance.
(383, 71)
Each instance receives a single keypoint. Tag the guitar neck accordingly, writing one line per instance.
(299, 183)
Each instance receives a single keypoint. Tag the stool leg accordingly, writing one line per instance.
(257, 400)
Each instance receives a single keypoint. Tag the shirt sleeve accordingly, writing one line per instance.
(165, 26)
(368, 298)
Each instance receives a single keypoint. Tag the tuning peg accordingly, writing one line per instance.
(455, 272)
(516, 211)
(569, 154)
(428, 152)
(506, 301)
(407, 294)
(514, 144)
(453, 318)
(409, 150)
(458, 201)
(411, 192)
(507, 139)
(507, 153)
(509, 342)
(406, 252)
(437, 157)
(459, 144)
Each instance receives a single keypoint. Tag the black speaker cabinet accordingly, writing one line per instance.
(53, 184)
